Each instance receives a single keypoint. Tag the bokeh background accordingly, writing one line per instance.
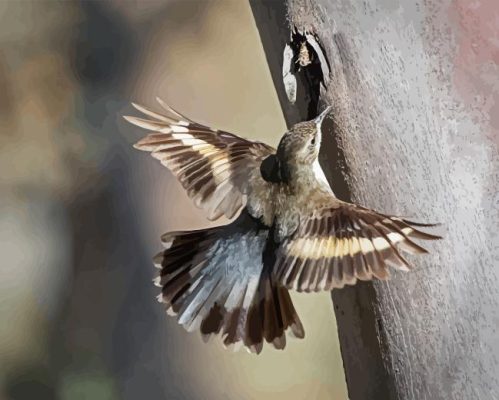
(81, 212)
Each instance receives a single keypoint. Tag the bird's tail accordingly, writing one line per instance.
(216, 280)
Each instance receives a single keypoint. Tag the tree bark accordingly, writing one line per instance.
(412, 86)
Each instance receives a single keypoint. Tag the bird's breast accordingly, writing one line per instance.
(283, 205)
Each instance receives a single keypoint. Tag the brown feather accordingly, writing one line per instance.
(336, 246)
(195, 154)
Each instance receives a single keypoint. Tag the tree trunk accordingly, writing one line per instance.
(412, 89)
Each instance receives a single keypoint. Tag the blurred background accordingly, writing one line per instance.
(81, 211)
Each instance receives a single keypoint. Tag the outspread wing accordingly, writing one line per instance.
(213, 166)
(338, 245)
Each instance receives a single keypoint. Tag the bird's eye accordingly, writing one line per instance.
(312, 142)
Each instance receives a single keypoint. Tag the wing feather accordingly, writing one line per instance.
(214, 167)
(344, 243)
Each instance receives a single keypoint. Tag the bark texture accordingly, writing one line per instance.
(413, 87)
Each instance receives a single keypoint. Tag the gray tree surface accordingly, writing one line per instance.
(415, 91)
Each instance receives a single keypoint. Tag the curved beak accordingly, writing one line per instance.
(318, 120)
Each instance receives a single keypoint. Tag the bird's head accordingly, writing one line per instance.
(301, 144)
(297, 150)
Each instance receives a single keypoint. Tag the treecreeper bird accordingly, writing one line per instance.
(291, 232)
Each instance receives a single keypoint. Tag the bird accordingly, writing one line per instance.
(286, 231)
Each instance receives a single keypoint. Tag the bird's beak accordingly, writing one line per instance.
(320, 118)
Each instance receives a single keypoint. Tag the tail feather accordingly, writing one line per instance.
(216, 280)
